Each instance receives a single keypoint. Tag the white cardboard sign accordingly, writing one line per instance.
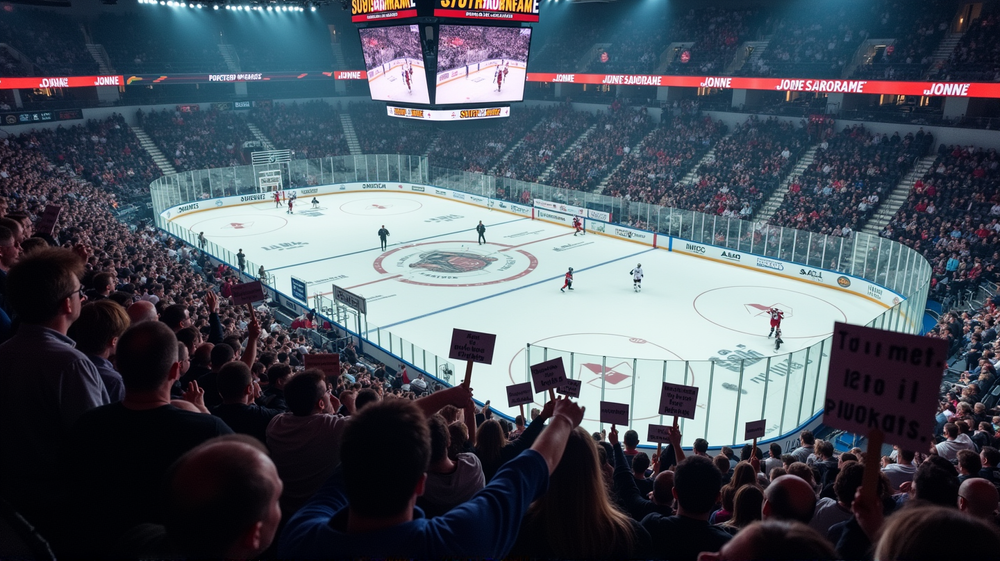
(658, 433)
(755, 429)
(614, 413)
(472, 345)
(570, 389)
(519, 394)
(548, 375)
(884, 380)
(678, 401)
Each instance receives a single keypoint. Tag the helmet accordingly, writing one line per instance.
(571, 269)
(639, 265)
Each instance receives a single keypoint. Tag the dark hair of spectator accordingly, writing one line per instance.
(396, 425)
(233, 379)
(145, 354)
(98, 324)
(277, 372)
(39, 283)
(304, 391)
(697, 483)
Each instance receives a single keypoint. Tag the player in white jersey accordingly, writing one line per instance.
(777, 339)
(637, 278)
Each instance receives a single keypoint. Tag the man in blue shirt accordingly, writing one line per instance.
(362, 512)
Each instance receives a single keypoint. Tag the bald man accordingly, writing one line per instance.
(223, 501)
(789, 497)
(141, 311)
(978, 498)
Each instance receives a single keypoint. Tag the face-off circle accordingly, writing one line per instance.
(239, 226)
(455, 264)
(381, 206)
(744, 309)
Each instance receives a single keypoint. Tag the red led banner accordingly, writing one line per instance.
(945, 89)
(40, 82)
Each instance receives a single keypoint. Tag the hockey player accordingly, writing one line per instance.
(277, 199)
(777, 339)
(407, 70)
(776, 317)
(637, 278)
(315, 203)
(291, 204)
(578, 226)
(569, 281)
(499, 78)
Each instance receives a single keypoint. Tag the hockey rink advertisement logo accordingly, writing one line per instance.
(699, 249)
(309, 191)
(811, 273)
(248, 198)
(770, 264)
(417, 188)
(874, 292)
(186, 208)
(374, 186)
(843, 281)
(454, 263)
(732, 256)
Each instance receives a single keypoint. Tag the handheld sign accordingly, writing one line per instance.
(519, 394)
(885, 385)
(614, 413)
(678, 401)
(548, 375)
(570, 389)
(472, 346)
(47, 221)
(247, 293)
(329, 364)
(755, 429)
(658, 433)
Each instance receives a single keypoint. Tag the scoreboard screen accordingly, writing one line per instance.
(503, 10)
(381, 10)
(395, 64)
(480, 64)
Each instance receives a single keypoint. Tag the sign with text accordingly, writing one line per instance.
(472, 345)
(570, 389)
(755, 429)
(247, 293)
(299, 290)
(678, 401)
(329, 364)
(548, 375)
(886, 381)
(502, 10)
(614, 413)
(48, 219)
(519, 394)
(350, 299)
(659, 433)
(382, 10)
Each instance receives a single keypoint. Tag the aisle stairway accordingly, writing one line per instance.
(229, 55)
(943, 53)
(633, 150)
(692, 177)
(268, 145)
(506, 155)
(772, 204)
(570, 149)
(161, 161)
(350, 135)
(898, 196)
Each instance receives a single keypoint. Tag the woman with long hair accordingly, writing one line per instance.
(493, 449)
(744, 474)
(746, 508)
(576, 519)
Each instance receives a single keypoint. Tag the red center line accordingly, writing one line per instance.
(362, 284)
(536, 241)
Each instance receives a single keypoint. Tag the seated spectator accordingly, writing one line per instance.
(449, 482)
(954, 442)
(305, 442)
(789, 497)
(597, 531)
(776, 540)
(361, 513)
(238, 410)
(130, 445)
(829, 511)
(915, 534)
(901, 471)
(45, 384)
(494, 450)
(746, 509)
(96, 334)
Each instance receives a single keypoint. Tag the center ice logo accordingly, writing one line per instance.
(452, 262)
(613, 375)
(239, 225)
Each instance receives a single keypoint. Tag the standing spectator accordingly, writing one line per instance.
(789, 497)
(803, 452)
(242, 260)
(449, 482)
(45, 384)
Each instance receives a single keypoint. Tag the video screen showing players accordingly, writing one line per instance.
(395, 64)
(481, 64)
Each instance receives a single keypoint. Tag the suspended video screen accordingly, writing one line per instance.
(395, 64)
(478, 64)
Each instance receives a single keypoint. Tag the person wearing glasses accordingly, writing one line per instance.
(45, 383)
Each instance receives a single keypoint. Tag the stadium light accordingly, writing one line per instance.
(216, 7)
(313, 8)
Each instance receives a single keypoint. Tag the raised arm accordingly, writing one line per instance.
(551, 443)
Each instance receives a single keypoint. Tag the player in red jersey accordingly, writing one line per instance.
(569, 281)
(407, 71)
(499, 77)
(277, 199)
(578, 226)
(291, 203)
(776, 317)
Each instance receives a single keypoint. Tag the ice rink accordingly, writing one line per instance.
(391, 86)
(434, 276)
(481, 87)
